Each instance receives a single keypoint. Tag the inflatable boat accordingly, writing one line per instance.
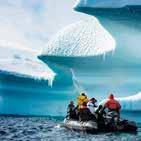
(93, 127)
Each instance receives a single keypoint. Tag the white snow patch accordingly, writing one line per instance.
(84, 38)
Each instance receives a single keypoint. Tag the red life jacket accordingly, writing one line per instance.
(112, 104)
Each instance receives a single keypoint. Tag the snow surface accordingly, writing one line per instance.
(24, 63)
(106, 3)
(132, 103)
(83, 38)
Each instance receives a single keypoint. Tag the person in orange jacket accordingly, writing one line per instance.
(113, 105)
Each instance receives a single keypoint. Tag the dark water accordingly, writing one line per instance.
(51, 129)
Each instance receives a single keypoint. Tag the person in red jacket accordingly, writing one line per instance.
(112, 104)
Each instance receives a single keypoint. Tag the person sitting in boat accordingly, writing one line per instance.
(100, 114)
(81, 99)
(112, 105)
(71, 111)
(92, 105)
(85, 114)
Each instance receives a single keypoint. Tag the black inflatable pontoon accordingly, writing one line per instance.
(92, 126)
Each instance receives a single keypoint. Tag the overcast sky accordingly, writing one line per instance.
(31, 23)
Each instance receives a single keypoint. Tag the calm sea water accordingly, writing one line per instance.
(51, 129)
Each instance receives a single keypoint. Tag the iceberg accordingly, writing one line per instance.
(24, 63)
(119, 72)
(28, 86)
(84, 41)
(121, 19)
(102, 51)
(123, 27)
(131, 103)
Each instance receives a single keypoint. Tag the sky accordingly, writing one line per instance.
(31, 23)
